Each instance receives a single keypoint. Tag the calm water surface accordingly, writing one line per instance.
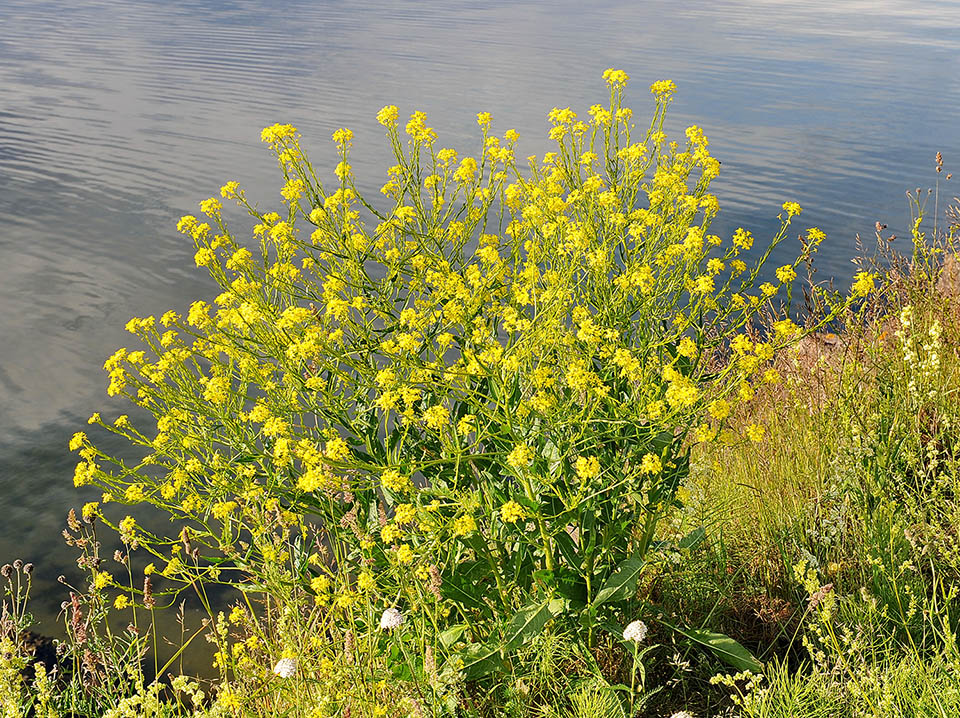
(117, 117)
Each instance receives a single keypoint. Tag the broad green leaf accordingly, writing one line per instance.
(528, 622)
(694, 538)
(452, 635)
(479, 660)
(623, 583)
(568, 549)
(726, 649)
(459, 595)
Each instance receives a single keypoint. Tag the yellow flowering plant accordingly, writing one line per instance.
(479, 389)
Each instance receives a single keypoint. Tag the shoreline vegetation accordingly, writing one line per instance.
(522, 440)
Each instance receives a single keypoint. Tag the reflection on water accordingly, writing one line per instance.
(116, 117)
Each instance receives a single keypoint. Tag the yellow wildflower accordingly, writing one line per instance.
(587, 467)
(511, 512)
(651, 464)
(755, 432)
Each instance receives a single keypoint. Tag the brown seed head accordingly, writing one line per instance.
(148, 600)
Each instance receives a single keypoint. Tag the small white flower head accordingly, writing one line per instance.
(636, 631)
(391, 618)
(682, 714)
(286, 667)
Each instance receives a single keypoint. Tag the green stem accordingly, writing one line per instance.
(547, 544)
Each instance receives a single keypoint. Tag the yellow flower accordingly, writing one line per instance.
(128, 525)
(211, 207)
(792, 208)
(395, 482)
(76, 441)
(511, 512)
(703, 284)
(404, 554)
(389, 533)
(343, 136)
(464, 525)
(663, 88)
(755, 432)
(121, 602)
(100, 580)
(133, 494)
(705, 433)
(587, 467)
(467, 170)
(785, 327)
(687, 348)
(366, 582)
(388, 116)
(651, 464)
(863, 284)
(436, 417)
(336, 449)
(320, 584)
(404, 513)
(655, 410)
(786, 274)
(520, 457)
(277, 132)
(204, 257)
(615, 78)
(274, 426)
(719, 409)
(229, 190)
(742, 239)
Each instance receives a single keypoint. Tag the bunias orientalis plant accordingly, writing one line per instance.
(480, 390)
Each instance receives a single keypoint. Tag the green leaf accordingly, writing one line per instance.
(694, 538)
(568, 549)
(452, 635)
(460, 585)
(726, 649)
(528, 622)
(479, 660)
(623, 583)
(569, 584)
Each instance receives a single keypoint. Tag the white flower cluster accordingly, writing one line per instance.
(635, 632)
(391, 618)
(286, 667)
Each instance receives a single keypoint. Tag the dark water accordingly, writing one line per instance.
(116, 117)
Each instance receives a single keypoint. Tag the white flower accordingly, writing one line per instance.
(286, 667)
(391, 618)
(682, 714)
(635, 632)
